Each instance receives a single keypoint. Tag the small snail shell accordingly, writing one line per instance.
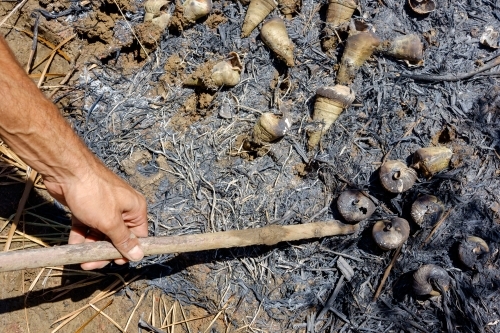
(391, 234)
(153, 9)
(196, 9)
(213, 75)
(275, 36)
(431, 160)
(162, 21)
(430, 279)
(289, 7)
(256, 13)
(330, 102)
(471, 249)
(358, 49)
(422, 6)
(340, 11)
(408, 48)
(396, 177)
(270, 128)
(489, 37)
(227, 73)
(426, 208)
(354, 206)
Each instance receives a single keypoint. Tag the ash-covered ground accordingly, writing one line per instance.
(181, 148)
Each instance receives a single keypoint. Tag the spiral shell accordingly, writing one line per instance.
(227, 73)
(358, 49)
(354, 206)
(256, 13)
(426, 209)
(396, 177)
(431, 160)
(471, 250)
(408, 48)
(429, 279)
(330, 102)
(196, 9)
(390, 235)
(153, 9)
(422, 6)
(269, 128)
(275, 36)
(340, 12)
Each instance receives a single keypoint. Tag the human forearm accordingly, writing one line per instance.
(102, 204)
(32, 126)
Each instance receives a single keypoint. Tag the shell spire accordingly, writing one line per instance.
(256, 13)
(275, 36)
(330, 102)
(358, 49)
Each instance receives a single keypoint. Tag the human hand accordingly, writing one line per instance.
(103, 206)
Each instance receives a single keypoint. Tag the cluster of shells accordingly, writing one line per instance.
(361, 42)
(396, 177)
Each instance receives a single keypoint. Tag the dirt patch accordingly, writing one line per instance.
(174, 69)
(215, 19)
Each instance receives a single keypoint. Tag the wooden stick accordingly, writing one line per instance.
(31, 175)
(386, 274)
(436, 227)
(453, 77)
(12, 12)
(88, 252)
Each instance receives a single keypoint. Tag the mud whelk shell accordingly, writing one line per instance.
(354, 206)
(471, 249)
(275, 36)
(330, 102)
(153, 9)
(340, 11)
(422, 6)
(431, 160)
(227, 73)
(427, 208)
(396, 177)
(409, 48)
(358, 49)
(430, 280)
(390, 235)
(196, 9)
(256, 13)
(270, 127)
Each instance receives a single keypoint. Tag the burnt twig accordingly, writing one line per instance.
(452, 77)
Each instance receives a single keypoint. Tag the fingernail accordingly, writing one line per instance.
(136, 253)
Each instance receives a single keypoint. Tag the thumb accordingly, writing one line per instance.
(125, 241)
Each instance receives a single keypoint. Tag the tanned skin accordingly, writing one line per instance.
(103, 206)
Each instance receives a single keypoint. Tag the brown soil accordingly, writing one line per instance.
(174, 69)
(215, 19)
(37, 311)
